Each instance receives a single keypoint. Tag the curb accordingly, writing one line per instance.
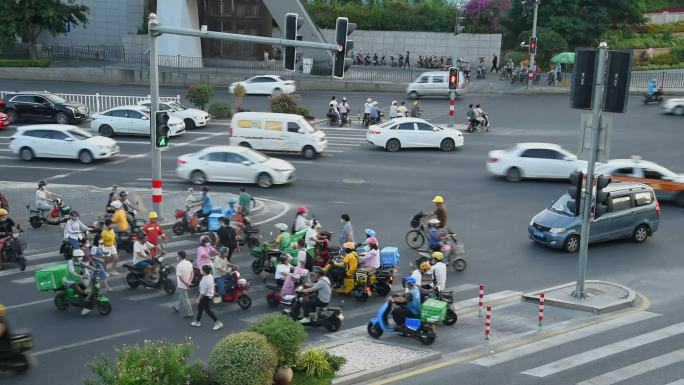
(355, 378)
(627, 301)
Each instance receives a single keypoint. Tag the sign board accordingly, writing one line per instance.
(605, 133)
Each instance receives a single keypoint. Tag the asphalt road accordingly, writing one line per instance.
(490, 215)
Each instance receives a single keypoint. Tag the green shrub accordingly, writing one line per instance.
(23, 63)
(303, 379)
(200, 95)
(313, 362)
(284, 103)
(335, 362)
(664, 28)
(284, 333)
(239, 94)
(678, 54)
(303, 111)
(152, 363)
(665, 59)
(219, 109)
(244, 358)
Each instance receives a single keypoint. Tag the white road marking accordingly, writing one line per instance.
(561, 339)
(29, 268)
(605, 351)
(86, 342)
(678, 382)
(153, 294)
(39, 167)
(300, 161)
(637, 369)
(333, 151)
(29, 303)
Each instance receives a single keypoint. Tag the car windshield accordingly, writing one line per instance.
(55, 99)
(177, 106)
(305, 127)
(561, 205)
(256, 156)
(79, 134)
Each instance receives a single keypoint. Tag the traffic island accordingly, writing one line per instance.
(602, 297)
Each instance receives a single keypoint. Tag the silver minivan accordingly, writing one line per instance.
(633, 212)
(434, 83)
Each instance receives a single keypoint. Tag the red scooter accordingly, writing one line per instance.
(238, 294)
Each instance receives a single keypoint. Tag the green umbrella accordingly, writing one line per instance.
(564, 58)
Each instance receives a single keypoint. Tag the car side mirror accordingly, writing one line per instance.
(246, 163)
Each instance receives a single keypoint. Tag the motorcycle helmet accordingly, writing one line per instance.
(123, 193)
(302, 210)
(433, 222)
(438, 199)
(77, 253)
(58, 202)
(116, 204)
(369, 100)
(425, 266)
(152, 215)
(344, 99)
(74, 214)
(223, 250)
(232, 201)
(191, 190)
(204, 239)
(370, 232)
(280, 226)
(372, 241)
(410, 281)
(3, 212)
(349, 246)
(438, 256)
(42, 183)
(242, 282)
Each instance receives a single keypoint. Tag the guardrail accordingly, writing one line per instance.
(98, 103)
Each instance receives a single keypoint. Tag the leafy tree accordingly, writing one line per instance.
(485, 15)
(200, 95)
(27, 19)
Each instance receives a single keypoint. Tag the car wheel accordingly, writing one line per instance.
(679, 110)
(308, 152)
(106, 130)
(572, 243)
(245, 145)
(197, 177)
(513, 175)
(13, 116)
(62, 118)
(679, 199)
(447, 145)
(393, 145)
(413, 95)
(189, 124)
(26, 154)
(85, 157)
(276, 91)
(264, 180)
(640, 233)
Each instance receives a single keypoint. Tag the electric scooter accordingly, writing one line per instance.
(15, 359)
(413, 327)
(329, 317)
(136, 277)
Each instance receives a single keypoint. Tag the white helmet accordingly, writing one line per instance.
(116, 204)
(280, 226)
(434, 221)
(78, 253)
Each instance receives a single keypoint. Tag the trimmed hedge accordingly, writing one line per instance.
(286, 335)
(23, 63)
(219, 109)
(244, 358)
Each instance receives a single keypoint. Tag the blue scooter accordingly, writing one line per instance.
(414, 328)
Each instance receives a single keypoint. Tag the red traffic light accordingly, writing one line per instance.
(453, 78)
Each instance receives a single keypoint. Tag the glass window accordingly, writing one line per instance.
(57, 135)
(643, 198)
(36, 133)
(423, 79)
(256, 156)
(267, 80)
(405, 126)
(248, 123)
(274, 125)
(621, 203)
(424, 127)
(163, 107)
(55, 99)
(118, 113)
(132, 114)
(22, 99)
(541, 153)
(553, 154)
(624, 171)
(561, 205)
(532, 153)
(40, 100)
(177, 106)
(438, 79)
(214, 157)
(79, 135)
(652, 174)
(292, 127)
(234, 158)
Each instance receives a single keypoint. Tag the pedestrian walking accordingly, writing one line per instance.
(183, 283)
(366, 110)
(495, 64)
(347, 231)
(402, 110)
(245, 202)
(393, 110)
(109, 247)
(206, 293)
(407, 62)
(343, 108)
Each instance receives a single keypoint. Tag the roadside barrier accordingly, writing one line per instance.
(481, 302)
(541, 308)
(488, 322)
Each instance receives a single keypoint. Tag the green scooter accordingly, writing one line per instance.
(67, 296)
(265, 256)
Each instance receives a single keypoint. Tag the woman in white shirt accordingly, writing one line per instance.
(43, 197)
(206, 293)
(283, 269)
(393, 110)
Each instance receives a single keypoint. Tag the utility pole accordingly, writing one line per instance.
(153, 33)
(593, 153)
(534, 35)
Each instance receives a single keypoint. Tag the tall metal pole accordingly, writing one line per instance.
(593, 154)
(530, 79)
(155, 154)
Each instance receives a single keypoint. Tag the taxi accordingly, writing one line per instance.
(668, 185)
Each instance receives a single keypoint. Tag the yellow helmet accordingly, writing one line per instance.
(349, 245)
(152, 215)
(438, 199)
(425, 266)
(438, 255)
(3, 212)
(2, 310)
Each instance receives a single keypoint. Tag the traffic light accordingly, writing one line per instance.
(533, 44)
(343, 28)
(576, 179)
(583, 78)
(161, 129)
(292, 24)
(602, 197)
(453, 78)
(458, 27)
(618, 78)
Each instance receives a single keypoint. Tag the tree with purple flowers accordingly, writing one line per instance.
(485, 15)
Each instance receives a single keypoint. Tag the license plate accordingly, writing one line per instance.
(538, 234)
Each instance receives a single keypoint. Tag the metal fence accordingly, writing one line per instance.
(99, 103)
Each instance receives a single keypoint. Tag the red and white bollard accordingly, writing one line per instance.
(488, 322)
(156, 191)
(481, 302)
(452, 107)
(541, 308)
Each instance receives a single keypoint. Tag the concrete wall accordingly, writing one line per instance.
(108, 21)
(665, 17)
(179, 13)
(470, 46)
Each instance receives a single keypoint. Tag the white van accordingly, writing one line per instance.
(274, 132)
(434, 83)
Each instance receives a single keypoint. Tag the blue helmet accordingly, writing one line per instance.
(370, 233)
(232, 201)
(410, 281)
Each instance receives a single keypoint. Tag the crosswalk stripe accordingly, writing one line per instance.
(29, 303)
(562, 339)
(605, 351)
(678, 382)
(29, 268)
(634, 370)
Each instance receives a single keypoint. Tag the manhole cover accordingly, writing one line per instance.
(595, 291)
(353, 180)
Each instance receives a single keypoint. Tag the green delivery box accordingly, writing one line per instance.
(433, 308)
(50, 278)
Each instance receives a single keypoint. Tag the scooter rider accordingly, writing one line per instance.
(5, 342)
(410, 302)
(222, 270)
(323, 290)
(119, 218)
(78, 277)
(282, 240)
(128, 207)
(44, 197)
(301, 221)
(440, 212)
(142, 258)
(6, 225)
(439, 270)
(73, 230)
(434, 235)
(471, 115)
(348, 266)
(417, 274)
(481, 116)
(371, 258)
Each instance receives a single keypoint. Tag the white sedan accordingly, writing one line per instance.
(399, 133)
(674, 106)
(60, 141)
(192, 117)
(130, 120)
(234, 164)
(266, 85)
(533, 160)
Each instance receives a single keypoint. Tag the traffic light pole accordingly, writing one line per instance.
(530, 78)
(593, 154)
(154, 107)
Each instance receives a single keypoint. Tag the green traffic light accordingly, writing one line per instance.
(163, 142)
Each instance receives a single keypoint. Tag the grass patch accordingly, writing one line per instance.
(303, 379)
(23, 63)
